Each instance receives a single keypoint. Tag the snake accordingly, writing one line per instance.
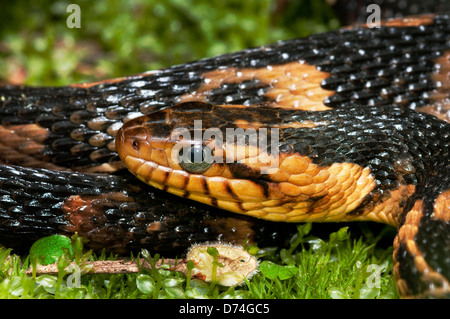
(360, 120)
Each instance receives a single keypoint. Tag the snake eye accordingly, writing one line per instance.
(195, 158)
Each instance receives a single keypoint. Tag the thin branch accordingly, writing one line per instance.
(113, 267)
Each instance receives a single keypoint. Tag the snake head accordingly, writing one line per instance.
(187, 150)
(191, 138)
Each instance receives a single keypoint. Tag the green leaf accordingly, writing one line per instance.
(175, 292)
(274, 271)
(198, 289)
(304, 229)
(336, 293)
(341, 235)
(172, 282)
(16, 288)
(286, 257)
(49, 249)
(145, 283)
(212, 251)
(369, 293)
(190, 265)
(47, 282)
(235, 294)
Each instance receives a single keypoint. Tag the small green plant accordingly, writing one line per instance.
(335, 268)
(310, 267)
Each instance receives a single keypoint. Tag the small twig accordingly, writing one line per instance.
(113, 267)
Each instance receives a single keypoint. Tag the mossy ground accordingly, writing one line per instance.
(338, 267)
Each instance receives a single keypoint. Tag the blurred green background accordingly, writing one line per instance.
(123, 37)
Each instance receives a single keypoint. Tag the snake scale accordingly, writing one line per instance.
(363, 119)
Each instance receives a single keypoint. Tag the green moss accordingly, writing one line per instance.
(339, 267)
(311, 267)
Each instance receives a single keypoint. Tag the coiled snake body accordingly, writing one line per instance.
(362, 129)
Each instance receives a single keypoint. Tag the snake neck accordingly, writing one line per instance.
(362, 163)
